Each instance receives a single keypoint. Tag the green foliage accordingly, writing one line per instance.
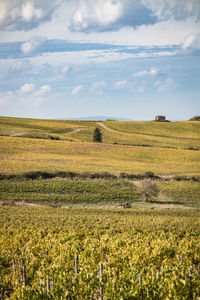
(68, 191)
(97, 135)
(182, 191)
(196, 118)
(162, 246)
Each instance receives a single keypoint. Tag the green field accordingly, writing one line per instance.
(69, 191)
(97, 192)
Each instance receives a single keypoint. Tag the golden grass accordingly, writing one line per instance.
(182, 135)
(183, 129)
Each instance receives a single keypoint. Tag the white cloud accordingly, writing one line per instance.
(120, 84)
(24, 15)
(101, 15)
(191, 42)
(29, 12)
(76, 90)
(152, 72)
(31, 45)
(165, 85)
(97, 87)
(174, 9)
(27, 88)
(30, 88)
(43, 90)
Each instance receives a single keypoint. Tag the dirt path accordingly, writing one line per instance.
(100, 205)
(18, 134)
(107, 128)
(76, 129)
(145, 134)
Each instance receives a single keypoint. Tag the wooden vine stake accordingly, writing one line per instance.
(14, 267)
(76, 265)
(24, 281)
(140, 279)
(48, 285)
(100, 277)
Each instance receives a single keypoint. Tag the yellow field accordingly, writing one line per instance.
(183, 135)
(183, 129)
(19, 154)
(131, 147)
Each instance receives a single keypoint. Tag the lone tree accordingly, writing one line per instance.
(195, 118)
(148, 190)
(97, 135)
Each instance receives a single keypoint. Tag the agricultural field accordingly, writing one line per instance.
(97, 192)
(48, 253)
(68, 191)
(183, 135)
(65, 232)
(19, 155)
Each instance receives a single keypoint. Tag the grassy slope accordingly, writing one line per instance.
(20, 155)
(174, 134)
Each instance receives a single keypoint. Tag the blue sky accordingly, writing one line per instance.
(119, 58)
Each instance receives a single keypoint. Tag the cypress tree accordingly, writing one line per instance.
(97, 135)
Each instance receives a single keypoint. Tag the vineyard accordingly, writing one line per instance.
(66, 232)
(18, 155)
(59, 253)
(92, 192)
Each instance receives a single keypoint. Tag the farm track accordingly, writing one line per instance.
(104, 126)
(102, 205)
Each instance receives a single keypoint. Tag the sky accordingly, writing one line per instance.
(121, 58)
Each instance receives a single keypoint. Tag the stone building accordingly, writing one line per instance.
(160, 119)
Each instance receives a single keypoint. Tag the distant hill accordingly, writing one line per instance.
(97, 118)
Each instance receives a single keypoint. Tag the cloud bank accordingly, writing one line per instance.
(94, 16)
(24, 15)
(109, 15)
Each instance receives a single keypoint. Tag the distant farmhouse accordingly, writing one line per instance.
(160, 119)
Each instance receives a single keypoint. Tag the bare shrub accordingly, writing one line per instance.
(148, 190)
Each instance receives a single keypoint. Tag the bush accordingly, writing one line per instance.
(148, 190)
(149, 174)
(195, 118)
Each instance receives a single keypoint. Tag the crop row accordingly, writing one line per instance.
(161, 246)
